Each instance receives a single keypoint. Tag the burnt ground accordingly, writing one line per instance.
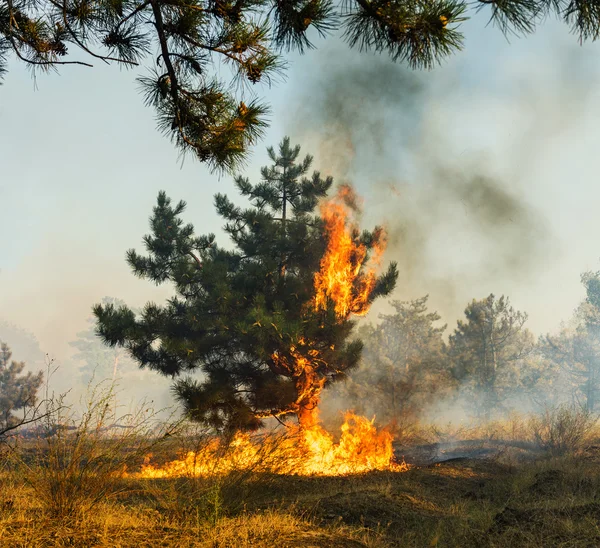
(432, 453)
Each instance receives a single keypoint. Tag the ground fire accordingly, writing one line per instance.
(346, 279)
(361, 448)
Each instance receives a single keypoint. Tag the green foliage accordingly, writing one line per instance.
(184, 44)
(574, 352)
(543, 380)
(515, 16)
(404, 365)
(245, 317)
(591, 313)
(489, 349)
(17, 391)
(415, 32)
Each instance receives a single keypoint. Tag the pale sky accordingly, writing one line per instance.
(82, 163)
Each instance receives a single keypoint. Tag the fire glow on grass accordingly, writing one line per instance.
(347, 277)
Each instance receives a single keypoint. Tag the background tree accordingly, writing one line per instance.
(589, 340)
(576, 349)
(23, 343)
(404, 364)
(245, 318)
(543, 381)
(95, 357)
(574, 355)
(488, 350)
(189, 40)
(17, 391)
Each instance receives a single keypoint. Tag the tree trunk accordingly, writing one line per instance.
(308, 387)
(493, 397)
(115, 365)
(283, 224)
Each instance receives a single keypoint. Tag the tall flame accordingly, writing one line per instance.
(340, 278)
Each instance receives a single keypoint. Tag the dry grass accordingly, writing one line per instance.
(75, 461)
(553, 502)
(464, 503)
(135, 520)
(558, 430)
(547, 501)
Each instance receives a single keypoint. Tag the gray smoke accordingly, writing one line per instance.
(452, 169)
(461, 209)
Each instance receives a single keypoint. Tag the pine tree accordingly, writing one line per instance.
(577, 349)
(245, 318)
(17, 391)
(404, 364)
(488, 350)
(188, 41)
(23, 343)
(574, 355)
(589, 339)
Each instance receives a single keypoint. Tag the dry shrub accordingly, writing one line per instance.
(410, 431)
(511, 428)
(563, 429)
(77, 461)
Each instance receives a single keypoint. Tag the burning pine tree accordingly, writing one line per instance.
(268, 322)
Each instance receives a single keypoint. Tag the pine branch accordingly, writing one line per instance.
(106, 59)
(513, 16)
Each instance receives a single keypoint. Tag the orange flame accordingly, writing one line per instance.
(311, 451)
(340, 278)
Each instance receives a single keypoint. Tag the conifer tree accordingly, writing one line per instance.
(17, 391)
(404, 365)
(244, 318)
(589, 342)
(574, 353)
(577, 349)
(187, 41)
(488, 350)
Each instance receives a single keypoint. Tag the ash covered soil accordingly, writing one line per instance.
(433, 453)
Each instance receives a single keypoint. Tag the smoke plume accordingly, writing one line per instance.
(459, 201)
